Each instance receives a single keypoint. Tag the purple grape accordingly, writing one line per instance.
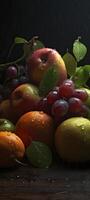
(75, 105)
(11, 72)
(60, 108)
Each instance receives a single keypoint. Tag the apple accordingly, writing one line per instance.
(23, 99)
(41, 60)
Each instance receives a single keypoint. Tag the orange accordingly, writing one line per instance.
(11, 149)
(35, 125)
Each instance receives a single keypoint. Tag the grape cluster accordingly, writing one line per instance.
(65, 101)
(13, 76)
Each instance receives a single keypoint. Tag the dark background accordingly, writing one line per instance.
(57, 23)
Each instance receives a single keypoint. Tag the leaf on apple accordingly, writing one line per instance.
(70, 63)
(49, 80)
(79, 50)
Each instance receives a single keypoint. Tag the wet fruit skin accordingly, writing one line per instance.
(11, 148)
(35, 125)
(72, 140)
(23, 99)
(43, 59)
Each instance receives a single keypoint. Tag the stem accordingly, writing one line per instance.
(11, 48)
(13, 62)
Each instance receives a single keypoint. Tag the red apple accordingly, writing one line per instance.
(23, 99)
(41, 60)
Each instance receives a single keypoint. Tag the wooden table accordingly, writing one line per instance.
(57, 183)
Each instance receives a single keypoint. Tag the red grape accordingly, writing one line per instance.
(43, 106)
(52, 97)
(66, 90)
(81, 94)
(75, 105)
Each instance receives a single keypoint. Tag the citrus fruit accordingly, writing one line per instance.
(6, 125)
(72, 139)
(11, 149)
(39, 154)
(35, 125)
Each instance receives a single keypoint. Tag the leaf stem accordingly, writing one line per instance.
(12, 62)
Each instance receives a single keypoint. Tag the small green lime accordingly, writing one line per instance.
(6, 125)
(39, 154)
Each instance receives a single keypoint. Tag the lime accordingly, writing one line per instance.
(39, 154)
(6, 125)
(72, 139)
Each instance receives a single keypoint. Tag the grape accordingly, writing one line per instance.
(43, 106)
(66, 90)
(11, 72)
(60, 108)
(81, 94)
(75, 105)
(52, 97)
(23, 79)
(85, 112)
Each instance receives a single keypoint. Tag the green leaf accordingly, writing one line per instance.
(81, 76)
(30, 47)
(20, 40)
(49, 80)
(79, 50)
(39, 154)
(37, 45)
(87, 69)
(70, 63)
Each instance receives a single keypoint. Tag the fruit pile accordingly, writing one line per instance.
(44, 106)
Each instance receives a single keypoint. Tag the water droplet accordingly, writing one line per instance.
(18, 176)
(83, 128)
